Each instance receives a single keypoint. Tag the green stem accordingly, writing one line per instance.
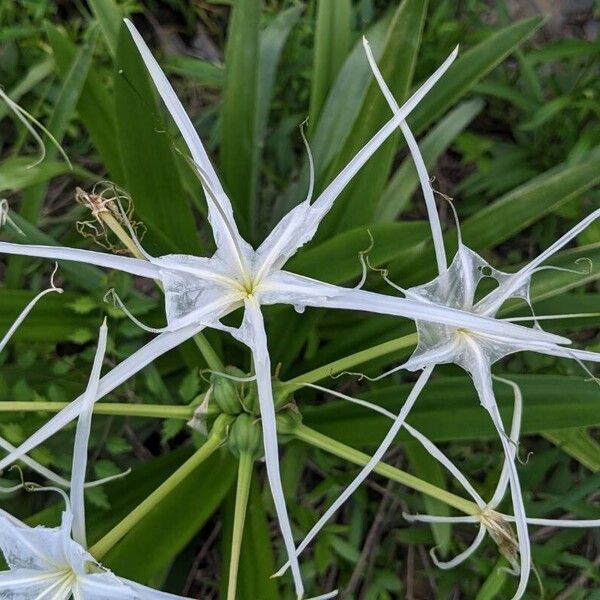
(241, 505)
(208, 352)
(314, 438)
(160, 411)
(100, 548)
(343, 364)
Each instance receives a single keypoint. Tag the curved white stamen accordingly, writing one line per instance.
(27, 119)
(459, 558)
(116, 300)
(25, 312)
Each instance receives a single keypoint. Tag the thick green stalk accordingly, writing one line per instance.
(343, 364)
(100, 548)
(160, 411)
(239, 519)
(314, 438)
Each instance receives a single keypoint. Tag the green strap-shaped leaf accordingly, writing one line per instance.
(469, 68)
(186, 509)
(147, 155)
(448, 409)
(332, 41)
(109, 16)
(272, 41)
(62, 113)
(239, 150)
(95, 105)
(579, 444)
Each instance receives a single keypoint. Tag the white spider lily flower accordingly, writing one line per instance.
(476, 351)
(490, 520)
(54, 562)
(199, 291)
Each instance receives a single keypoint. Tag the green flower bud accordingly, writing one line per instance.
(245, 435)
(251, 403)
(225, 391)
(288, 420)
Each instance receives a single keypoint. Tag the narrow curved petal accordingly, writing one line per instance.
(252, 333)
(460, 558)
(480, 371)
(82, 434)
(432, 213)
(493, 301)
(105, 586)
(431, 448)
(284, 287)
(515, 430)
(436, 453)
(300, 225)
(220, 212)
(368, 468)
(324, 202)
(135, 266)
(570, 523)
(572, 353)
(123, 371)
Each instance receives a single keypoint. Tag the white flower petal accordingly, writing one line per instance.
(481, 373)
(123, 371)
(325, 201)
(36, 548)
(432, 213)
(252, 333)
(496, 298)
(288, 288)
(371, 464)
(80, 447)
(515, 430)
(571, 523)
(25, 584)
(220, 212)
(300, 225)
(146, 593)
(197, 290)
(105, 585)
(135, 266)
